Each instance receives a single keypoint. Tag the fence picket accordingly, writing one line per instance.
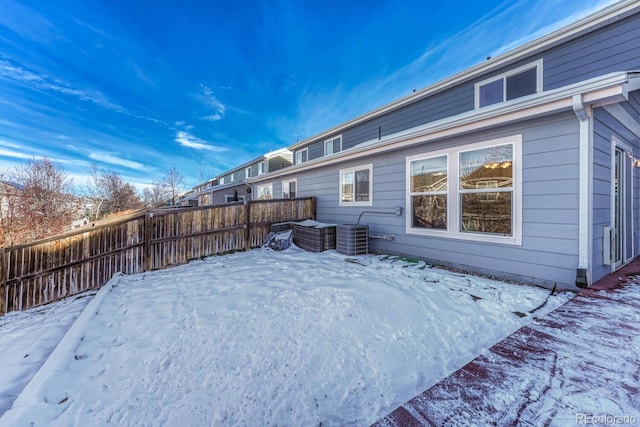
(47, 270)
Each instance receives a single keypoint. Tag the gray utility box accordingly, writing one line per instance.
(352, 239)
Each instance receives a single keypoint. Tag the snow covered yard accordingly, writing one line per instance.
(268, 338)
(28, 338)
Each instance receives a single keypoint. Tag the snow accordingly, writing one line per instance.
(579, 364)
(27, 338)
(258, 338)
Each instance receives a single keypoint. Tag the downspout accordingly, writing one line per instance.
(584, 116)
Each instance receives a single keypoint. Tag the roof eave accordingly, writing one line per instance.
(603, 90)
(586, 24)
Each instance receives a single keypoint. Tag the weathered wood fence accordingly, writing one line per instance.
(47, 270)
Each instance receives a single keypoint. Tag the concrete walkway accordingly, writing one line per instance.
(579, 364)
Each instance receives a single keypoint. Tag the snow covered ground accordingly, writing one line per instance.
(261, 338)
(28, 338)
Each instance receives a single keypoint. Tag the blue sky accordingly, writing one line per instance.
(139, 86)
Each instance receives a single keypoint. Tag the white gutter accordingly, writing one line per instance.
(607, 89)
(584, 114)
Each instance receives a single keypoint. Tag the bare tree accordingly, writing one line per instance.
(174, 181)
(109, 193)
(158, 194)
(40, 203)
(117, 195)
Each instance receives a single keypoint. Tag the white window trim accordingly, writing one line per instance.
(331, 140)
(453, 211)
(286, 183)
(247, 172)
(300, 152)
(269, 185)
(261, 167)
(536, 64)
(354, 169)
(415, 193)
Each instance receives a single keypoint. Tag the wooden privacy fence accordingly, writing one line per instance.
(48, 270)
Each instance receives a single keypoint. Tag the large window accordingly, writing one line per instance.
(289, 189)
(471, 192)
(517, 83)
(302, 156)
(356, 186)
(333, 145)
(486, 190)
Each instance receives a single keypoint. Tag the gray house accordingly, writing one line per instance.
(523, 166)
(231, 186)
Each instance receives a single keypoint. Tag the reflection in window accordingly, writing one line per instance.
(355, 186)
(289, 189)
(511, 85)
(486, 190)
(428, 189)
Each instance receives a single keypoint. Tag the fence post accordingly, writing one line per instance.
(147, 240)
(3, 282)
(247, 231)
(313, 208)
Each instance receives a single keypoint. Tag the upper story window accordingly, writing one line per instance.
(356, 186)
(514, 84)
(333, 145)
(261, 168)
(302, 156)
(247, 172)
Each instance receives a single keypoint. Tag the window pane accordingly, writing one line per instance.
(487, 168)
(301, 156)
(486, 212)
(328, 147)
(429, 175)
(522, 84)
(430, 211)
(491, 93)
(362, 185)
(264, 192)
(292, 189)
(347, 187)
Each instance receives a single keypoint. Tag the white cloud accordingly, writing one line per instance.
(211, 101)
(187, 140)
(15, 154)
(213, 117)
(113, 160)
(45, 83)
(10, 144)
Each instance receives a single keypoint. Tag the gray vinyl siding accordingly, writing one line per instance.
(549, 250)
(613, 48)
(219, 195)
(605, 125)
(609, 49)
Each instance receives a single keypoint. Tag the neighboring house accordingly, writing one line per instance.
(231, 186)
(8, 191)
(523, 166)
